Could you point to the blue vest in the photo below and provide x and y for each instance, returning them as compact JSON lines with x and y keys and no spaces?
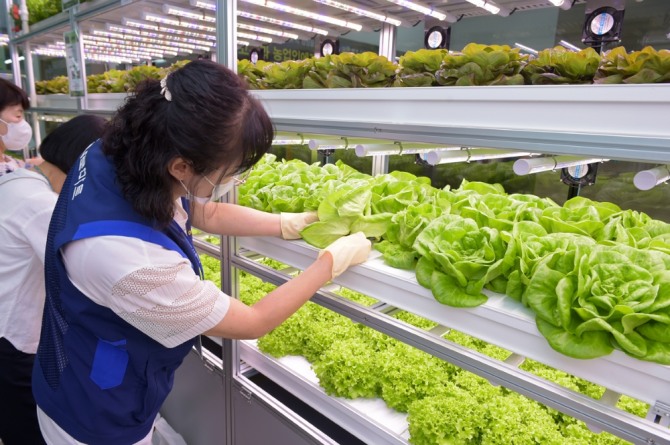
{"x":99,"y":378}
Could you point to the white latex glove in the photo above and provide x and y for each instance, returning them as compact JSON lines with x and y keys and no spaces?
{"x":348,"y":251}
{"x":293,"y":223}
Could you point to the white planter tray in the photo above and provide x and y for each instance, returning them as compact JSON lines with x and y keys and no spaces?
{"x":96,"y":101}
{"x":501,"y":321}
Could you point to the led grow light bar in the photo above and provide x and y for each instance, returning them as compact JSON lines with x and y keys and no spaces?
{"x":132,"y":38}
{"x":303,"y":13}
{"x":187,"y":13}
{"x":97,"y":55}
{"x":283,"y":23}
{"x":109,"y":46}
{"x":397,"y":148}
{"x":551,"y":163}
{"x":424,"y":10}
{"x":132,"y":23}
{"x":151,"y":17}
{"x":256,"y":37}
{"x":360,"y":11}
{"x":490,"y":7}
{"x":150,"y":50}
{"x":466,"y":154}
{"x":263,"y":30}
{"x":9,"y":61}
{"x":121,"y":29}
{"x":149,"y":43}
{"x":211,"y":6}
{"x":527,"y":49}
{"x":204,"y":4}
{"x":568,"y":45}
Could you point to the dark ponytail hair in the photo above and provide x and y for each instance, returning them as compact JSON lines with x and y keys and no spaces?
{"x":63,"y":145}
{"x":211,"y":121}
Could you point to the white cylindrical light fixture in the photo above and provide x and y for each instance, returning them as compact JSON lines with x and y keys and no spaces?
{"x":528,"y":49}
{"x":467,"y":155}
{"x":568,"y":45}
{"x":335,"y":143}
{"x":396,"y":149}
{"x":648,"y":179}
{"x":537,"y":165}
{"x":563,"y":4}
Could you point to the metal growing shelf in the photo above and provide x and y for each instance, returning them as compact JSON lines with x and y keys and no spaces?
{"x":626,"y":122}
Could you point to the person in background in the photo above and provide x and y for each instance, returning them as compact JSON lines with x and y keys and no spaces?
{"x":27,"y":199}
{"x":15,"y":132}
{"x":126,"y":297}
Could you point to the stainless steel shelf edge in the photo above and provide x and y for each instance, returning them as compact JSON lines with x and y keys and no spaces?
{"x":62,"y":19}
{"x":501,"y":321}
{"x":292,"y":420}
{"x":626,"y":148}
{"x":351,"y":420}
{"x":616,"y":121}
{"x":46,"y":26}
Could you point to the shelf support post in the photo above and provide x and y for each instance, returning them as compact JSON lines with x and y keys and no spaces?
{"x":226,"y":24}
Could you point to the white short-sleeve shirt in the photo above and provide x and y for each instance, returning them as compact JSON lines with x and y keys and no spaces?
{"x":152,"y":288}
{"x":27,"y":202}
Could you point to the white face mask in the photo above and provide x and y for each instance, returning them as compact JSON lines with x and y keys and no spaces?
{"x":18,"y":135}
{"x":218,"y":191}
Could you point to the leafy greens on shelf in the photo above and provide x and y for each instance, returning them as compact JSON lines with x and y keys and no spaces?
{"x":444,"y":403}
{"x":559,"y":65}
{"x":645,"y":66}
{"x":594,"y":275}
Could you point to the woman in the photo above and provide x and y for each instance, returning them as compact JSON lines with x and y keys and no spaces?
{"x":27,"y":199}
{"x":125,"y":294}
{"x":15,"y":132}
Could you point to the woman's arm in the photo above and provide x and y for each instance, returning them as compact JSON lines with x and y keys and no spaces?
{"x":234,"y":220}
{"x":245,"y":322}
{"x":252,"y":322}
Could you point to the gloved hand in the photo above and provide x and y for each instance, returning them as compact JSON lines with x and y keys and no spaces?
{"x":293,"y":223}
{"x":348,"y":251}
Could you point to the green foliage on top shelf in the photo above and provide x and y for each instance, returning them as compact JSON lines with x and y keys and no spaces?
{"x":482,"y":65}
{"x":475,"y":65}
{"x":253,"y":73}
{"x":285,"y":75}
{"x":349,"y":70}
{"x":57,"y":85}
{"x":418,"y":68}
{"x":645,"y":66}
{"x":112,"y":81}
{"x":559,"y":65}
{"x":39,"y":10}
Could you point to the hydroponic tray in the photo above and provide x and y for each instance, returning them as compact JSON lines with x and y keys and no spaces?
{"x":501,"y":321}
{"x":626,"y":122}
{"x":368,"y":419}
